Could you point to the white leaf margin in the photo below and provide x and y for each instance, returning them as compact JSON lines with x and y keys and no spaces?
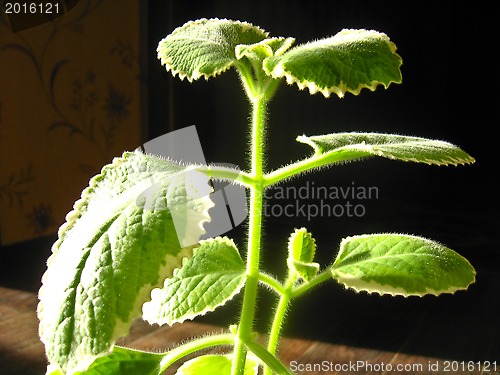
{"x":149,"y":312}
{"x":369,"y":286}
{"x":167,"y":61}
{"x":345,"y":36}
{"x":378,"y":149}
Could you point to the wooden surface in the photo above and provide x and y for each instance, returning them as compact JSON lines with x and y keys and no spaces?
{"x":428,"y":340}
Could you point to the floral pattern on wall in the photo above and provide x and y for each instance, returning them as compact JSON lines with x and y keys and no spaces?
{"x":69,"y":103}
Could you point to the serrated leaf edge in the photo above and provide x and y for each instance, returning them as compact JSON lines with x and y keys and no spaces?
{"x":71,"y":218}
{"x":208,"y":309}
{"x":298,"y":265}
{"x":165,"y":271}
{"x":372,"y":151}
{"x":242,"y":49}
{"x":291,"y":239}
{"x":167,"y":61}
{"x":359,"y":285}
{"x":279,"y":71}
{"x":371,"y":287}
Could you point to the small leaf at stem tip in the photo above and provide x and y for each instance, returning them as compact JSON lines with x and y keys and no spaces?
{"x":213,"y":364}
{"x":301,"y":251}
{"x":399,"y":264}
{"x":347,"y":62}
{"x":213,"y":276}
{"x":206,"y":47}
{"x":266,"y":48}
{"x":339,"y":147}
{"x":305,"y":270}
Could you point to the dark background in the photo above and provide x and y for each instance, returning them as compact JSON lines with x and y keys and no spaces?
{"x":444,"y":95}
{"x":447,"y":93}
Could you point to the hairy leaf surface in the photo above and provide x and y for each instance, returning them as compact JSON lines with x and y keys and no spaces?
{"x":265,"y":48}
{"x":301,"y":251}
{"x":121,"y":361}
{"x":124,"y":361}
{"x":347,"y":62}
{"x":209,"y":279}
{"x":118,"y":243}
{"x":206,"y":47}
{"x":337,"y":147}
{"x":399,"y":264}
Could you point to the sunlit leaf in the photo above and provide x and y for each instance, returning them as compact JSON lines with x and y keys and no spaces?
{"x":337,"y":147}
{"x":400,"y":264}
{"x":266,"y":48}
{"x":124,"y":361}
{"x":347,"y":62}
{"x":119,"y":242}
{"x":213,"y":276}
{"x":206,"y":47}
{"x":301,"y":250}
{"x":215,"y":365}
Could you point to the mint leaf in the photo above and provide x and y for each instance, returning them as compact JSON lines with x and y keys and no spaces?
{"x":124,"y":361}
{"x":263,"y":49}
{"x":347,"y":62}
{"x":206,"y":47}
{"x":301,"y":251}
{"x":116,"y":246}
{"x":214,"y":275}
{"x":212,"y":364}
{"x":336,"y":147}
{"x":399,"y":264}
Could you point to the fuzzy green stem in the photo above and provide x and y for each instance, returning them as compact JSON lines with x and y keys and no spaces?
{"x":194,"y":346}
{"x":271,"y":283}
{"x":287,"y":293}
{"x":326,"y":275}
{"x":279,"y":317}
{"x":245,"y":327}
{"x":316,"y":161}
{"x":228,"y":174}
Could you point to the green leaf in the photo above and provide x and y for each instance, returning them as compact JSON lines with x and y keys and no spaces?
{"x":53,"y":370}
{"x":305,"y":270}
{"x":301,"y":251}
{"x":399,"y":264}
{"x":266,"y":48}
{"x":124,"y":361}
{"x":347,"y":62}
{"x":301,"y":246}
{"x":119,"y":242}
{"x":214,"y":275}
{"x":213,"y":364}
{"x":206,"y":47}
{"x":333,"y":148}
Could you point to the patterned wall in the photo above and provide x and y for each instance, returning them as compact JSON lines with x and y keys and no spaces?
{"x":69,"y":103}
